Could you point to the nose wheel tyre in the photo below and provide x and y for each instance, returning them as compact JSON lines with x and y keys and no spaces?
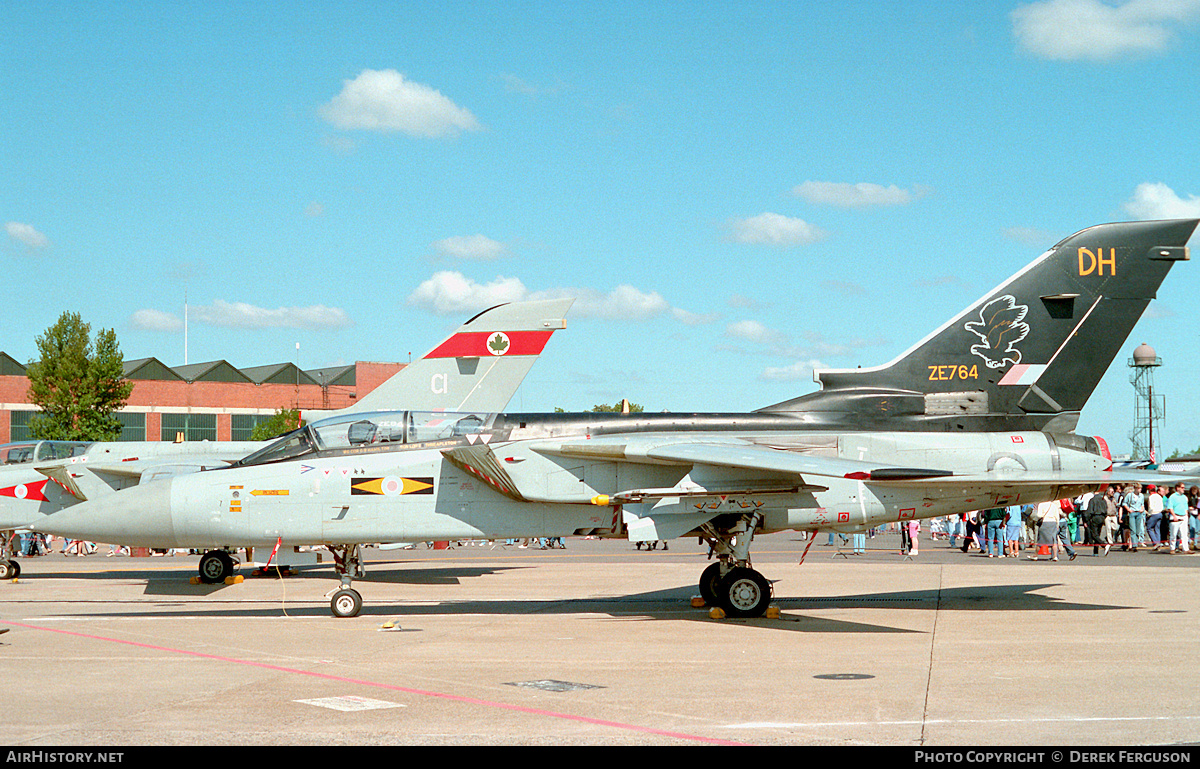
{"x":215,"y":566}
{"x":10,"y":569}
{"x":346,"y":603}
{"x":744,"y":593}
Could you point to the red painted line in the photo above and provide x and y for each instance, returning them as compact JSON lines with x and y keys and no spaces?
{"x":390,"y":687}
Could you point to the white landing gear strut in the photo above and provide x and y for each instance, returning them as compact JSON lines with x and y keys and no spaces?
{"x":731,"y":583}
{"x":347,"y":563}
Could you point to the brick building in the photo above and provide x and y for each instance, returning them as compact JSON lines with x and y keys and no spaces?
{"x":204,"y":401}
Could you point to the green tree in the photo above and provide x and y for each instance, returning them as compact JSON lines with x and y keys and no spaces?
{"x":284,"y":421}
{"x":603,"y":408}
{"x":618,"y":408}
{"x":77,"y":385}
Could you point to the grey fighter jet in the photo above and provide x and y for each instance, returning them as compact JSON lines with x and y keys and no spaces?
{"x":978,"y":414}
{"x":478,"y":367}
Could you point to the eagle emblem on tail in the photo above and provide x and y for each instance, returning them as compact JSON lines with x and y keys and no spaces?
{"x":1000,"y":327}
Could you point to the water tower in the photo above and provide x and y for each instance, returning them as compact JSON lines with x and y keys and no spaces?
{"x":1149,"y":409}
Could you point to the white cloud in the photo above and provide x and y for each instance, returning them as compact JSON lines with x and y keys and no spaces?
{"x":801,"y":369}
{"x":862,"y":195}
{"x":624,"y":302}
{"x":27,"y":236}
{"x":450,"y":293}
{"x":155,"y":320}
{"x":314,"y":210}
{"x":383,"y":100}
{"x":1031,"y":236}
{"x":753,"y":331}
{"x":479,"y":248}
{"x":775,"y":230}
{"x":242,"y":315}
{"x":1158,"y":201}
{"x":1073,"y":30}
{"x":693,"y":318}
{"x":778,"y":344}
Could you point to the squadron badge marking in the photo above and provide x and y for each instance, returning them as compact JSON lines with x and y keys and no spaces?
{"x":1000,"y":328}
{"x":498,"y":343}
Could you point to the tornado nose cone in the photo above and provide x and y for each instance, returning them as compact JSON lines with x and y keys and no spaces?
{"x":138,"y":516}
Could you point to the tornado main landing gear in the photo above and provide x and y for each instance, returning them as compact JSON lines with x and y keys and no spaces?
{"x":744,"y":593}
{"x":9,"y":567}
{"x":347,"y":563}
{"x":731,"y":583}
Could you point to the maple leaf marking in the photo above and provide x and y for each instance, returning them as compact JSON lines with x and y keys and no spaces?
{"x":1000,"y":327}
{"x":498,"y":343}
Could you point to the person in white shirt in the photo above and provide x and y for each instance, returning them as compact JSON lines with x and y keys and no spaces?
{"x":1048,"y":512}
{"x":1154,"y":516}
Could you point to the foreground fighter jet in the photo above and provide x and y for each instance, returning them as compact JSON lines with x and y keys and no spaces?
{"x":478,"y":367}
{"x":978,"y":414}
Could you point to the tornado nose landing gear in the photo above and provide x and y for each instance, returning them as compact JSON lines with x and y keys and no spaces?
{"x":347,"y":562}
{"x":346,"y":603}
{"x":215,"y":566}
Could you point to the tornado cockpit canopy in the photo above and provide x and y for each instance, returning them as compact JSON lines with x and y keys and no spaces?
{"x":364,"y":430}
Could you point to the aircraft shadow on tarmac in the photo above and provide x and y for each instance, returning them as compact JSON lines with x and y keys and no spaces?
{"x":163,"y":584}
{"x":671,"y":604}
{"x":177,"y":583}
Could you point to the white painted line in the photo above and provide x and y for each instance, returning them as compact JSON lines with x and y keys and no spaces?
{"x":351,"y":704}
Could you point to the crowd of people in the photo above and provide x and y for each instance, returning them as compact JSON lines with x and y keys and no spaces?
{"x":1131,"y":517}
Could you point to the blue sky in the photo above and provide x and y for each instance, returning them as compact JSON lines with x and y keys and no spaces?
{"x":736,"y":192}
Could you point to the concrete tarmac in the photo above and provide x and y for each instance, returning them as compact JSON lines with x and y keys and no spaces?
{"x":599,"y":644}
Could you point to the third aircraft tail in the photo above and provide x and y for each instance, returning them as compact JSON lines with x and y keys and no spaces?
{"x":1029,"y":353}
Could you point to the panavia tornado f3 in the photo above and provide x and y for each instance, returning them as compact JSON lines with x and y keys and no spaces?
{"x":479,"y":367}
{"x":978,"y":414}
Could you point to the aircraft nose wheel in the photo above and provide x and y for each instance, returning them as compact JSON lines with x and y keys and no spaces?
{"x":215,"y":566}
{"x":744,"y":593}
{"x":346,"y":603}
{"x":10,"y":569}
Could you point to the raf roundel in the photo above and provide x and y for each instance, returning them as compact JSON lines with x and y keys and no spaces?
{"x":27,"y":491}
{"x":498,"y":343}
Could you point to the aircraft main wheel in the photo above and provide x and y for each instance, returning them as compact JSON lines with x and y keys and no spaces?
{"x":346,"y":603}
{"x":744,"y":593}
{"x":10,"y":569}
{"x":710,"y":584}
{"x":215,"y":566}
